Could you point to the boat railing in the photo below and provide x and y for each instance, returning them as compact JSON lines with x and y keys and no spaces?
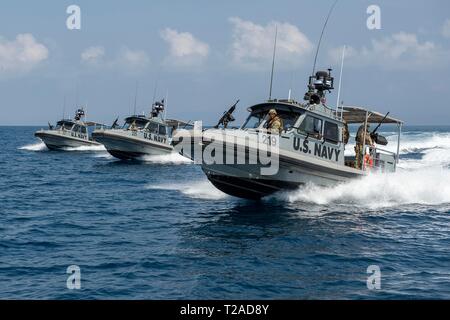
{"x":380,"y":159}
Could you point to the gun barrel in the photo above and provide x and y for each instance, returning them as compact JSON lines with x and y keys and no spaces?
{"x":381,"y":122}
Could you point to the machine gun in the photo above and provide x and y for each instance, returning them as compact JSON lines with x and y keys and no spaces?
{"x":377,"y":138}
{"x":115,"y":123}
{"x":157,"y":108}
{"x":50,"y":127}
{"x":227,"y":117}
{"x":79,"y":114}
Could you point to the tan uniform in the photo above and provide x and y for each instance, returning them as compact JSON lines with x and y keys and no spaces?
{"x":345,"y":133}
{"x":275,"y":125}
{"x":359,"y":145}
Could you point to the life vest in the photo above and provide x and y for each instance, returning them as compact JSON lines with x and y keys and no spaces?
{"x":368,"y":161}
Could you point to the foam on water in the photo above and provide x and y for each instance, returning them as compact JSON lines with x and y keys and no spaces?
{"x":424,"y":178}
{"x":427,"y":186}
{"x":171,"y":158}
{"x":87,"y":148}
{"x":39,"y":146}
{"x":198,"y":190}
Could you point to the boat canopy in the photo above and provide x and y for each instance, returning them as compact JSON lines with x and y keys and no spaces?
{"x":92,"y":124}
{"x":177,"y":123}
{"x":284,"y":105}
{"x":138,"y":119}
{"x":359,"y":114}
{"x":68,"y":123}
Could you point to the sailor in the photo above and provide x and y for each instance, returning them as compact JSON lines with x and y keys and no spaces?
{"x":133,"y":126}
{"x":345,"y":133}
{"x":275,"y":124}
{"x":361,"y":135}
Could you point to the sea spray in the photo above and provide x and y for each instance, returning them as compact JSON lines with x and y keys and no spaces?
{"x":427,"y":186}
{"x":39,"y":146}
{"x":198,"y":190}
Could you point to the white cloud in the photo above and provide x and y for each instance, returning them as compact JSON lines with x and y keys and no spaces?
{"x":128,"y":60}
{"x":252,"y":45}
{"x":133,"y":59}
{"x":398,"y":51}
{"x":93,"y":54}
{"x":446,"y":29}
{"x":184,"y":48}
{"x":22,"y":54}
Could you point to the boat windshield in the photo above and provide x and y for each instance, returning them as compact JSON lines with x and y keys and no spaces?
{"x":254,"y":120}
{"x":134,"y":124}
{"x":258,"y":119}
{"x":64,"y":126}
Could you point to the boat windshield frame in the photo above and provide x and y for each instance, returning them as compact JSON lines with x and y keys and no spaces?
{"x":140,"y":123}
{"x":283,"y":110}
{"x":66,"y":125}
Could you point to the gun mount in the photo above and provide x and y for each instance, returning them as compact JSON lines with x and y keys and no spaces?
{"x":227,"y":117}
{"x":319,"y":83}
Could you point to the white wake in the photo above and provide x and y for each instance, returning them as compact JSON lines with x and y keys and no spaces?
{"x":39,"y":146}
{"x":170,"y":158}
{"x":198,"y":190}
{"x":96,"y":148}
{"x":422,"y":177}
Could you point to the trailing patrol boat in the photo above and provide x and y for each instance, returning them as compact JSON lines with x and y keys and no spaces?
{"x":140,"y":135}
{"x":68,"y":133}
{"x":310,"y":147}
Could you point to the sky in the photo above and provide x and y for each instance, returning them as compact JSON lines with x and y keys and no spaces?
{"x":203,"y":55}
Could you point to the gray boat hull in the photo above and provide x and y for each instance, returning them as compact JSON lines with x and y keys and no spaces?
{"x":56,"y":141}
{"x":126,"y":147}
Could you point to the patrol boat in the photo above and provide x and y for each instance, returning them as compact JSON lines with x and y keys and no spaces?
{"x":140,"y":135}
{"x":310,"y":148}
{"x":68,"y":133}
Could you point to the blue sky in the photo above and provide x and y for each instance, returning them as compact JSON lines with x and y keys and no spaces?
{"x":206,"y":54}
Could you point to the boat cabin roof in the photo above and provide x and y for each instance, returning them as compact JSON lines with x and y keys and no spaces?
{"x":286,"y":105}
{"x":91,"y":124}
{"x":177,"y":123}
{"x":358,"y":115}
{"x":144,"y":120}
{"x":65,"y":122}
{"x":137,"y":119}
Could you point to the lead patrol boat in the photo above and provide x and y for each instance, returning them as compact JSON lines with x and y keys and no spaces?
{"x":310,"y":147}
{"x":68,"y":133}
{"x":140,"y":135}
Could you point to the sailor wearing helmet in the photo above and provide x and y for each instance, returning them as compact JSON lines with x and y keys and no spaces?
{"x":274,"y":124}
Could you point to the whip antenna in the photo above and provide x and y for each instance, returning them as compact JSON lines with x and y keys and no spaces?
{"x":273,"y":62}
{"x":135,"y":97}
{"x":321,"y":35}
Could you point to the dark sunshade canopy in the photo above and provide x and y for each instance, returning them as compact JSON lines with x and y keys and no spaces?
{"x":139,"y":119}
{"x":358,"y":115}
{"x":91,"y":124}
{"x":176,"y":123}
{"x":65,"y":122}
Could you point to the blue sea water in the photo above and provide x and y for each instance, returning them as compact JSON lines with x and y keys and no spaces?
{"x":158,"y":230}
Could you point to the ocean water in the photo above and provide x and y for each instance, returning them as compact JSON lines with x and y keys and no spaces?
{"x":159,"y":230}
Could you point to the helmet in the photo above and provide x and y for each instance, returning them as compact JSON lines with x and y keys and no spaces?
{"x":272,"y":111}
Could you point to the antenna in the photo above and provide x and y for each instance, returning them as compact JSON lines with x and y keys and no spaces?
{"x":156,"y":87}
{"x":321,"y":35}
{"x":64,"y":108}
{"x":340,"y":80}
{"x":76,"y":95}
{"x":292,"y":85}
{"x":165,"y":104}
{"x":135,"y":97}
{"x":273,"y":62}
